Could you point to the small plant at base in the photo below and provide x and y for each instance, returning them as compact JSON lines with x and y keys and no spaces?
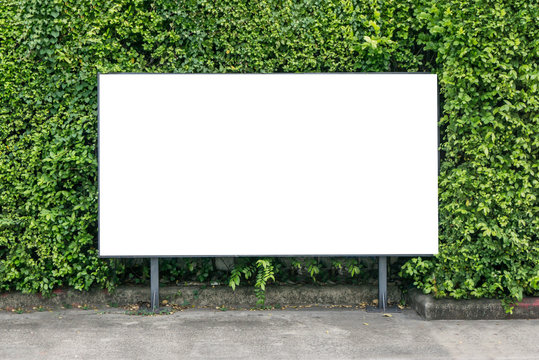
{"x":264,"y":273}
{"x":312,"y":267}
{"x":264,"y":270}
{"x":352,"y":266}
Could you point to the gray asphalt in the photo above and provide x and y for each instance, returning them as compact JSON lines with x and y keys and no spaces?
{"x":271,"y":334}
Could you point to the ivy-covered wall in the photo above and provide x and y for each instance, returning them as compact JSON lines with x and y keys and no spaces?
{"x":485,"y":53}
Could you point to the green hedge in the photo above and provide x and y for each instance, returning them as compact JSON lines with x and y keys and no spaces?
{"x":484,"y":52}
{"x":487,"y":56}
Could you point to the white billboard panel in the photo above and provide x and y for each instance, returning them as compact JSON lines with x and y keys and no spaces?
{"x":259,"y":164}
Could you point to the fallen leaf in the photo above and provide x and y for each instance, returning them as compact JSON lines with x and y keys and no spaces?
{"x":363,"y":305}
{"x":365,"y":324}
{"x":388,"y":315}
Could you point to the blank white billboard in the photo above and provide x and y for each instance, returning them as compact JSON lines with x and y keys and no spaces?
{"x":268,"y":164}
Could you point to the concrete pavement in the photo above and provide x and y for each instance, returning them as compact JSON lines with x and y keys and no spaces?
{"x":309,"y":333}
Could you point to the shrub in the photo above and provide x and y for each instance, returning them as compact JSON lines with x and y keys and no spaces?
{"x":484,"y":52}
{"x":487,"y":55}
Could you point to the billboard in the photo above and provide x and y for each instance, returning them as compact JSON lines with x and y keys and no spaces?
{"x":268,"y":164}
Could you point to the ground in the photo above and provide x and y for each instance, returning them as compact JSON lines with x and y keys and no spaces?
{"x":305,"y":333}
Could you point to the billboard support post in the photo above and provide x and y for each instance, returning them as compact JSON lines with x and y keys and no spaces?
{"x":382,"y":283}
{"x":154,"y":283}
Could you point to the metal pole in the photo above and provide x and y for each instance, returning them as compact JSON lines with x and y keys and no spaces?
{"x":154,"y":283}
{"x":382,"y":282}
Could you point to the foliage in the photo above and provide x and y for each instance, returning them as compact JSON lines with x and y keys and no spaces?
{"x":261,"y":271}
{"x":51,"y":52}
{"x":484,"y":52}
{"x":487,"y":55}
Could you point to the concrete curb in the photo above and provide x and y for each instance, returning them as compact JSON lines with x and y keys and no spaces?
{"x":204,"y":296}
{"x":282,"y":295}
{"x":475,"y":309}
